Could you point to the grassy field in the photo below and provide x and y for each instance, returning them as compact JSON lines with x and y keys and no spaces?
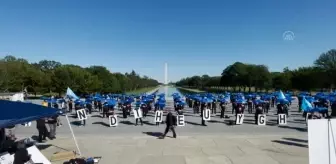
{"x":142,"y":90}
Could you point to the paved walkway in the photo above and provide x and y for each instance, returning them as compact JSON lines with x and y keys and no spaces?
{"x":217,"y":143}
{"x":216,"y":149}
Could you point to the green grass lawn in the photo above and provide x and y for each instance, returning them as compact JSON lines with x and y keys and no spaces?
{"x":142,"y":90}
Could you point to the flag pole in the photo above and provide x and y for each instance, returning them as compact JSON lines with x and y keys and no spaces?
{"x":73,"y":135}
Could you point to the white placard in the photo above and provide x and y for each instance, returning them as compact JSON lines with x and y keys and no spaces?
{"x":81,"y":114}
{"x":36,"y":157}
{"x":158,"y":116}
{"x":113,"y":120}
{"x":261,"y":119}
{"x":239,"y":119}
{"x":6,"y":158}
{"x":206,"y":114}
{"x":282,"y":119}
{"x":180,"y":120}
{"x":137,"y":113}
{"x":322,"y":140}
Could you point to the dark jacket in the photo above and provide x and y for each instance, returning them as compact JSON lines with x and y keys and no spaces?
{"x":21,"y":156}
{"x":170,"y":119}
{"x":52,"y":120}
{"x":40,"y":123}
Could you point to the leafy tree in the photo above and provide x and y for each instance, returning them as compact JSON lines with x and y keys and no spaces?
{"x":51,"y":76}
{"x":327,"y":62}
{"x":244,"y":75}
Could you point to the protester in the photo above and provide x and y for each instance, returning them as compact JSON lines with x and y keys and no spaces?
{"x":144,"y":108}
{"x":10,"y":132}
{"x":203,"y":105}
{"x":249,"y":105}
{"x":100,"y":106}
{"x":258,"y":110}
{"x":89,"y":107}
{"x":70,"y":104}
{"x":266,"y":106}
{"x":105,"y":110}
{"x":42,"y":129}
{"x":136,"y":120}
{"x":52,"y":125}
{"x":214,"y":107}
{"x":170,"y":125}
{"x":223,"y":107}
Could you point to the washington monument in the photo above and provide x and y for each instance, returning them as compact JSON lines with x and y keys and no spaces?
{"x":166,"y":80}
{"x":166,"y":74}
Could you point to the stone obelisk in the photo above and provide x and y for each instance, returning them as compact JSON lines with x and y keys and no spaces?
{"x":166,"y":79}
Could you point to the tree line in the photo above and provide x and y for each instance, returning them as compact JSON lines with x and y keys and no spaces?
{"x":321,"y":76}
{"x":49,"y":76}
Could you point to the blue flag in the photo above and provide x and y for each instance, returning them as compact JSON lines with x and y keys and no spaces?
{"x":71,"y":94}
{"x":281,"y":95}
{"x":306,"y":105}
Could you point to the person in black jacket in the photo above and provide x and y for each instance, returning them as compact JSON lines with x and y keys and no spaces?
{"x":170,"y":122}
{"x":42,"y":129}
{"x":70,"y":104}
{"x":203,"y":106}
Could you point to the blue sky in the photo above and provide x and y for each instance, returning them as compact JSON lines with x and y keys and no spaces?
{"x":192,"y":36}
